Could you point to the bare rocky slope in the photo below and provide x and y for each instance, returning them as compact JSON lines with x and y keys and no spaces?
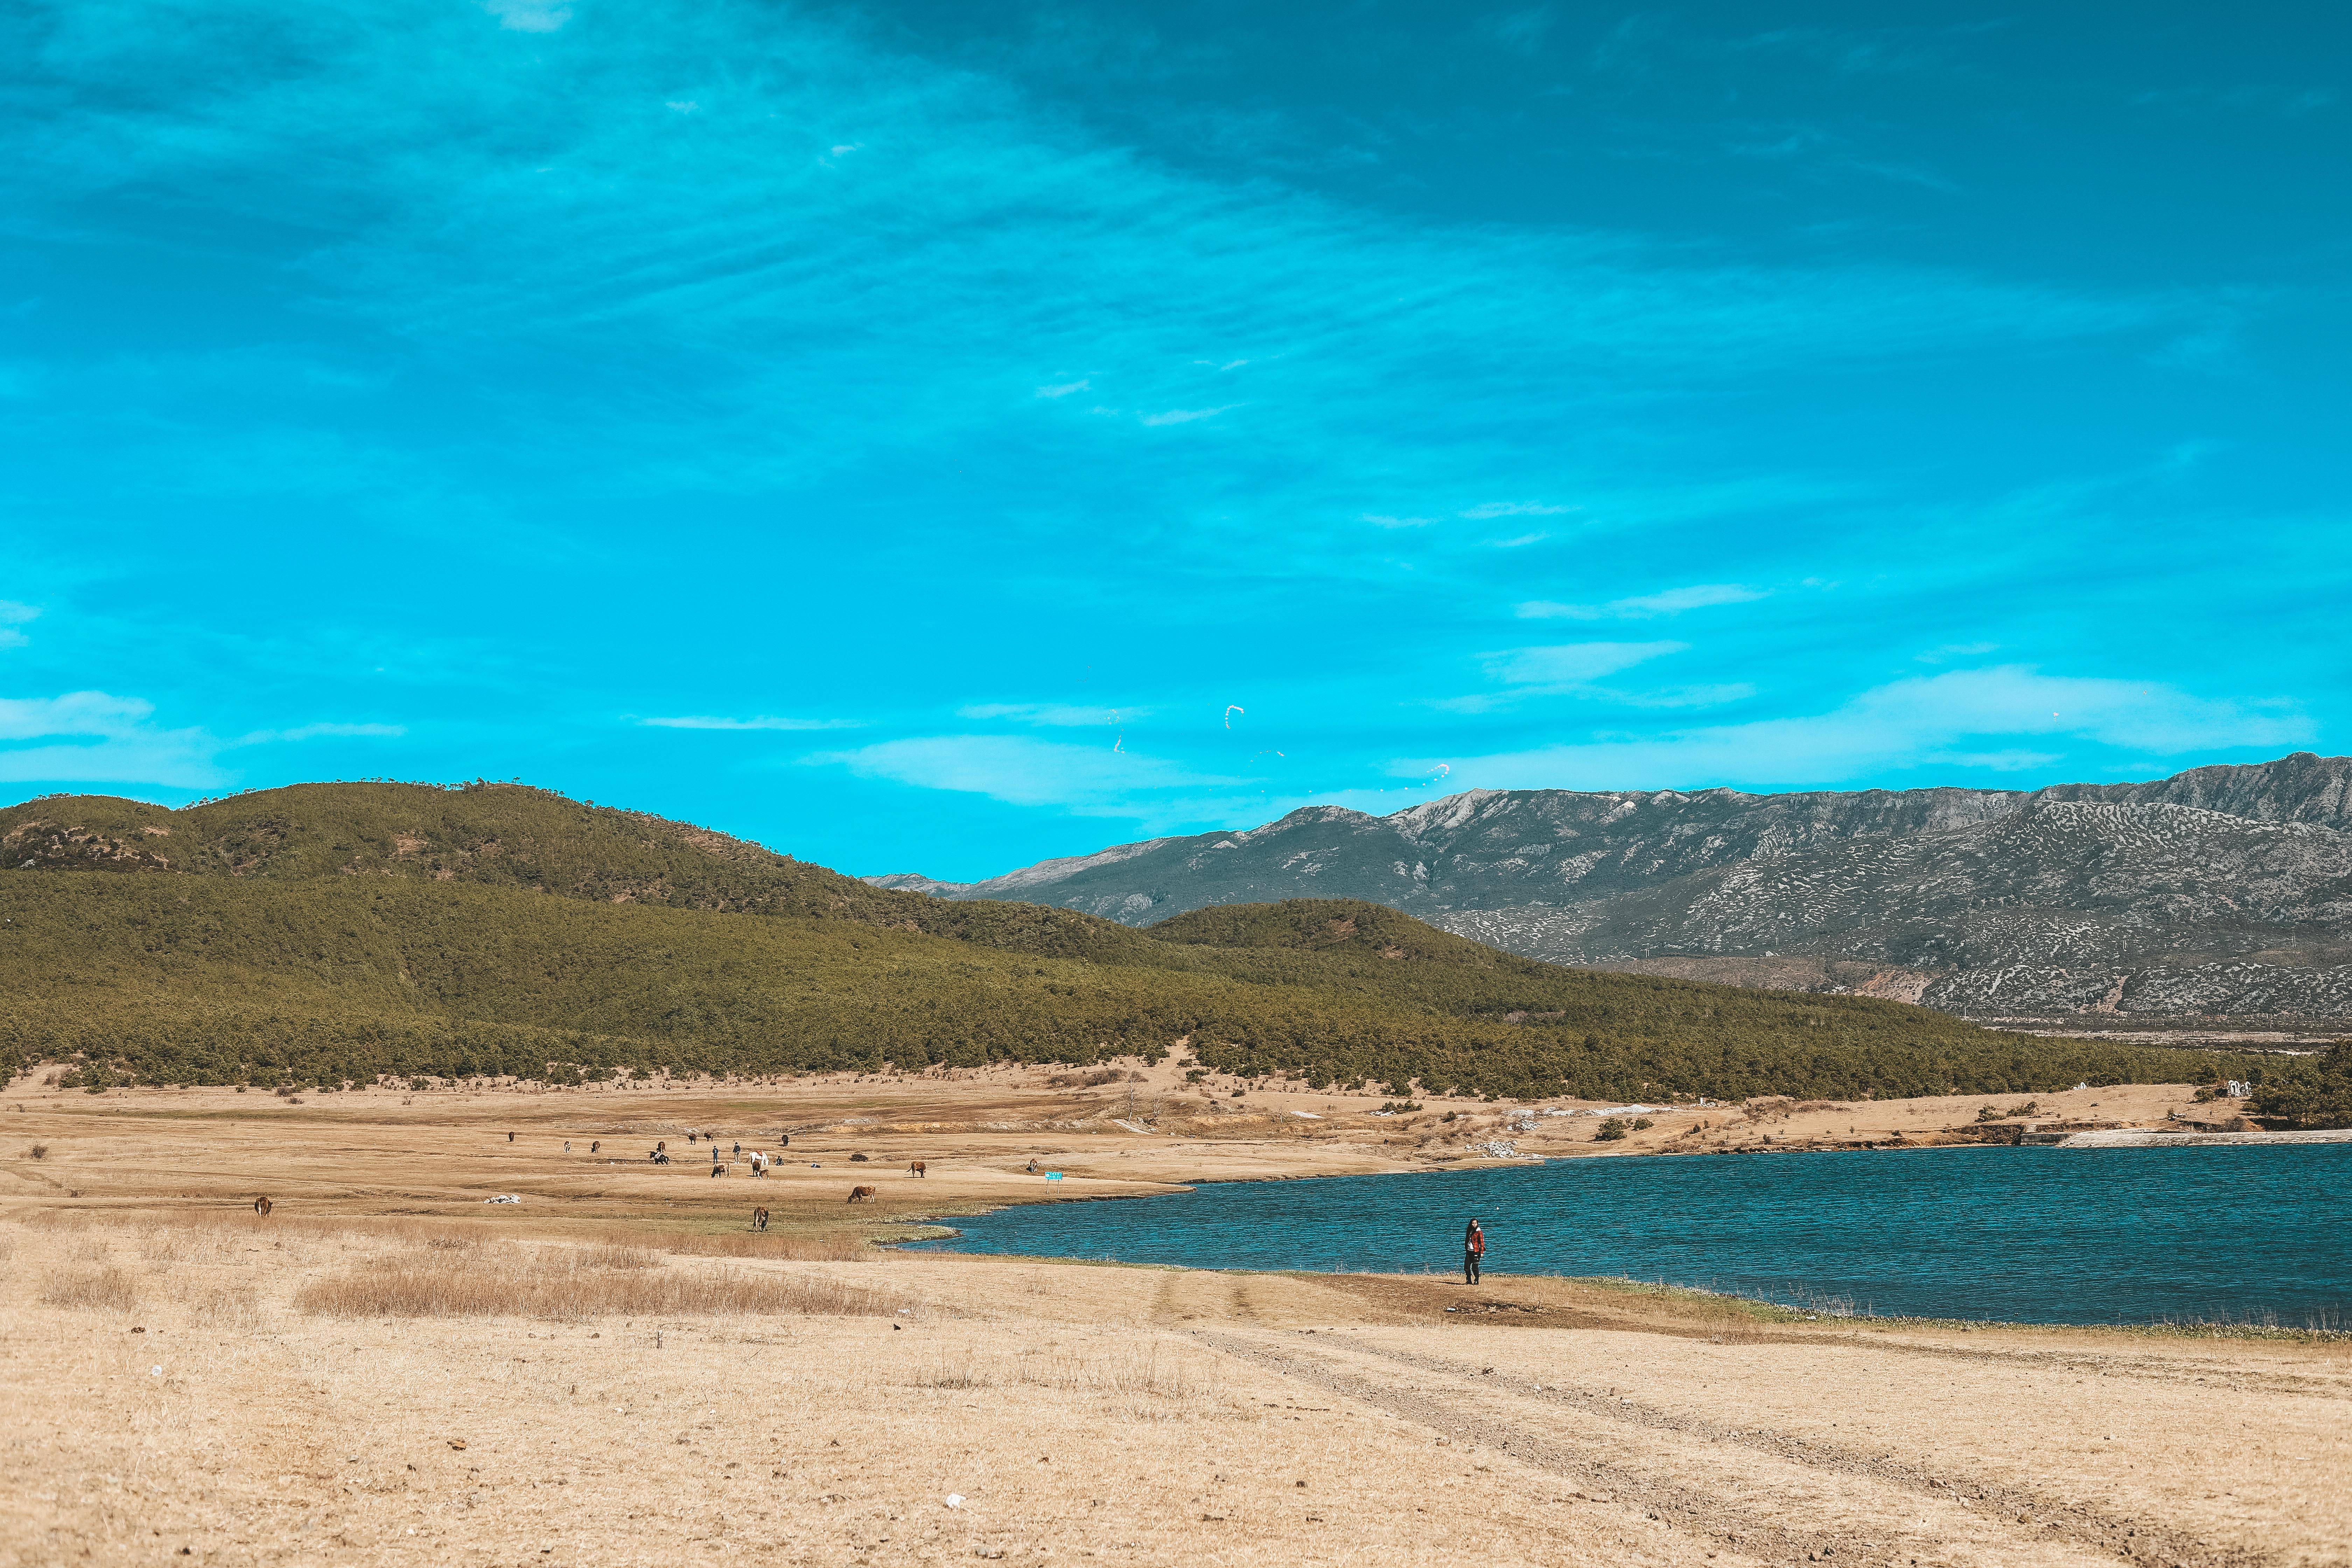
{"x":2223,"y":890}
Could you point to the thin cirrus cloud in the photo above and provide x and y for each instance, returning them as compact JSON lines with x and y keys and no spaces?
{"x":530,"y":15}
{"x":1017,"y":770}
{"x":1064,"y":389}
{"x":2005,"y":718}
{"x":321,"y":732}
{"x":1573,"y":664}
{"x":763,"y":722}
{"x":1672,"y":602}
{"x":1055,"y":715}
{"x":1186,"y":416}
{"x":1570,"y":669}
{"x":95,"y":737}
{"x":1514,"y":509}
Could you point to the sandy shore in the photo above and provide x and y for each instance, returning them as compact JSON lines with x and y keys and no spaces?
{"x":182,"y":1373}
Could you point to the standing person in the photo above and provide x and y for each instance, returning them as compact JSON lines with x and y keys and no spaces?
{"x":1474,"y":1248}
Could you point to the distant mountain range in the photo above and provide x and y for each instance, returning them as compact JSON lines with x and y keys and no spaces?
{"x":338,"y":934}
{"x":2223,"y":890}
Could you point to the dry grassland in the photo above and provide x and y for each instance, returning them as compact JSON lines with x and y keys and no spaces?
{"x":615,"y":1371}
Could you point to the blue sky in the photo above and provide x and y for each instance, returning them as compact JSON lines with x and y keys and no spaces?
{"x":930,"y":437}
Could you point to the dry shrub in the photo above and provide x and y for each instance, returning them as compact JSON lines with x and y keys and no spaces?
{"x":833,"y":1248}
{"x":569,"y":1284}
{"x":90,"y":1249}
{"x":165,"y":1247}
{"x":944,"y":1376}
{"x":235,"y":1309}
{"x":95,"y":1290}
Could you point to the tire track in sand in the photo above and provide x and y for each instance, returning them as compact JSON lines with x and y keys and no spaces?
{"x":1699,"y":1510}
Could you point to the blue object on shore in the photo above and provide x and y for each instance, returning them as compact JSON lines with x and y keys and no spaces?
{"x":1053,"y":1175}
{"x":2243,"y":1233}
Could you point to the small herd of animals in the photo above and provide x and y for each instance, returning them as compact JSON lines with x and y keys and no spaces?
{"x":760,"y":1163}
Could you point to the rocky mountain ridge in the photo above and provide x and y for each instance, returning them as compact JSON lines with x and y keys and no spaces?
{"x":2223,"y":890}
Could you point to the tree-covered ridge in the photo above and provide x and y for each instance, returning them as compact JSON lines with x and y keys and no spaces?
{"x":213,"y":979}
{"x":503,"y":835}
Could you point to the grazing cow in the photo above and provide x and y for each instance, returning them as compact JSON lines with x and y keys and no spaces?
{"x":716,"y":1170}
{"x":759,"y":1219}
{"x":916,"y":1169}
{"x":859,"y":1194}
{"x":262,"y":1206}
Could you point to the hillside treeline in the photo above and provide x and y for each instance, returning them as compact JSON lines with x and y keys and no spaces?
{"x":2309,"y":1094}
{"x":194,"y":978}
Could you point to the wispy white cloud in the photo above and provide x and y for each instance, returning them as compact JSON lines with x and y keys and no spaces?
{"x":321,"y":732}
{"x":1516,"y":509}
{"x":764,"y":721}
{"x":1186,"y":416}
{"x":1573,"y":664}
{"x":1955,"y":650}
{"x":94,"y":737}
{"x":1067,"y":716}
{"x":1672,"y":602}
{"x":1571,"y":669}
{"x":1088,"y":781}
{"x":1064,"y":389}
{"x":1382,"y":520}
{"x":12,"y":616}
{"x":1960,"y":719}
{"x":529,"y":16}
{"x":1524,"y":539}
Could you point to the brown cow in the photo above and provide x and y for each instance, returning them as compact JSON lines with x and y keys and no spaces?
{"x":759,"y":1219}
{"x":916,"y":1169}
{"x":859,"y":1194}
{"x":262,"y":1206}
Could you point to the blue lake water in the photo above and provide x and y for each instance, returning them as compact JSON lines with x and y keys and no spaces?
{"x":2032,"y":1234}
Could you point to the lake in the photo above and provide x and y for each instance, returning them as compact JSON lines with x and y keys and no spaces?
{"x":2031,"y":1234}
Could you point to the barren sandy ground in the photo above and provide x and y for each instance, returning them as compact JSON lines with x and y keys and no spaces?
{"x":187,"y":1381}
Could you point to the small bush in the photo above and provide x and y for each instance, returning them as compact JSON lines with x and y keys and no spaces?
{"x":1986,"y":1113}
{"x":1611,"y":1130}
{"x":40,"y":1151}
{"x":1643,"y":1124}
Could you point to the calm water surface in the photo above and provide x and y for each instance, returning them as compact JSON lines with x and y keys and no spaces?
{"x":2036,"y":1235}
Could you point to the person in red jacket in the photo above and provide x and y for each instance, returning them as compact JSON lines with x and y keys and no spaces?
{"x":1474,"y":1248}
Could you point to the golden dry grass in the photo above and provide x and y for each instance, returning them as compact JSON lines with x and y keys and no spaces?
{"x":566,"y":1284}
{"x":90,"y":1289}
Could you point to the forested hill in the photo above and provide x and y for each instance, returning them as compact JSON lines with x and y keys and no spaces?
{"x":504,"y":835}
{"x":341,"y":932}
